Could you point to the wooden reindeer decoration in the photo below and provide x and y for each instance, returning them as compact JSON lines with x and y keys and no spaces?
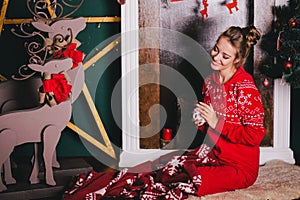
{"x":42,"y":124}
{"x":62,"y":34}
{"x":61,"y":40}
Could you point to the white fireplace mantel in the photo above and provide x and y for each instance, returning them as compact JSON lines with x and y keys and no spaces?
{"x":131,"y":153}
{"x":281,"y":126}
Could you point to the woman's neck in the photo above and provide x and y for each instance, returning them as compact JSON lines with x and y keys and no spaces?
{"x":226,"y":74}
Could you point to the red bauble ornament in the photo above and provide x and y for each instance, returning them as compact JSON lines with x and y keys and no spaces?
{"x":266,"y":82}
{"x":292,"y":22}
{"x":288,"y":64}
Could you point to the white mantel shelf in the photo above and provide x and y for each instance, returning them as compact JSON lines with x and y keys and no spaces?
{"x":131,"y":153}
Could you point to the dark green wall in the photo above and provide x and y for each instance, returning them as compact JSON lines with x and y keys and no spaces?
{"x":13,"y":55}
{"x":295,"y":123}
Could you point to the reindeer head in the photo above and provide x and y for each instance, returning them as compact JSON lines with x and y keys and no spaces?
{"x":55,"y":32}
{"x":62,"y":32}
{"x":54,"y":66}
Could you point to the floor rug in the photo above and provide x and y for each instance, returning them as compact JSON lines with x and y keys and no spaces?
{"x":277,"y":180}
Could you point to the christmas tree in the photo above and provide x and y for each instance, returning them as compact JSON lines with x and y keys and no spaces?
{"x":282,"y":44}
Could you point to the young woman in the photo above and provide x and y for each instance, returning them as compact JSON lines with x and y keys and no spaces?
{"x":232,"y":117}
{"x":233,"y":112}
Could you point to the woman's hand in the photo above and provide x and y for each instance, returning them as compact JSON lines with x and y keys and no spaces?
{"x":121,"y":1}
{"x":208,"y":113}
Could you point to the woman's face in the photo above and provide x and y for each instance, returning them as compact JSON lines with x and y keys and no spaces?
{"x":223,"y":55}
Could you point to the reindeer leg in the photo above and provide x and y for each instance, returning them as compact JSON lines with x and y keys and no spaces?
{"x":7,"y":145}
{"x":2,"y":186}
{"x":9,"y":179}
{"x":229,"y":6}
{"x":34,"y":179}
{"x":55,"y":162}
{"x":50,"y":139}
{"x":236,"y":8}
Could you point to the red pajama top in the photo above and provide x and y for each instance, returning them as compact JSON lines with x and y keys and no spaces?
{"x":240,"y":129}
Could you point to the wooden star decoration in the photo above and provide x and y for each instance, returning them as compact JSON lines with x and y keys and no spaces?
{"x":107,"y":147}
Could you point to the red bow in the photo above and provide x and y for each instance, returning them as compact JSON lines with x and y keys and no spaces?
{"x":59,"y":86}
{"x":70,"y":52}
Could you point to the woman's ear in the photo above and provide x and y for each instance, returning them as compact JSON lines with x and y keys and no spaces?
{"x":237,"y":60}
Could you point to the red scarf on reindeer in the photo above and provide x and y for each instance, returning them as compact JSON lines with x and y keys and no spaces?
{"x":71,"y":52}
{"x":59,"y":86}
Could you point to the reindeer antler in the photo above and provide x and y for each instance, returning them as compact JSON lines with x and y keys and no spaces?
{"x":48,"y":16}
{"x":51,"y":10}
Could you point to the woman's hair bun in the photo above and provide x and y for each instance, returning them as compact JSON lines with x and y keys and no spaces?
{"x":252,"y":35}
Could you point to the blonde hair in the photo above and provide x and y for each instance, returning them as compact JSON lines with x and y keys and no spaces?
{"x":243,"y":39}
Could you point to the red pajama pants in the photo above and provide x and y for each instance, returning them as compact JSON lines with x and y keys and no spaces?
{"x":194,"y":172}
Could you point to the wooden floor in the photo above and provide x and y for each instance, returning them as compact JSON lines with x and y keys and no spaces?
{"x":70,"y":167}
